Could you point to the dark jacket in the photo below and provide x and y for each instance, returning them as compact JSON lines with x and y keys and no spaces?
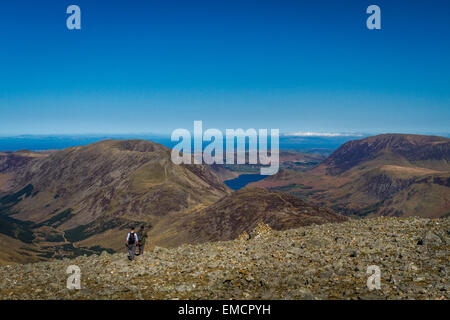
{"x":142,"y":235}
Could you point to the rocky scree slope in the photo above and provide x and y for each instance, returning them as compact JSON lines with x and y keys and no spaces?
{"x":326,"y":261}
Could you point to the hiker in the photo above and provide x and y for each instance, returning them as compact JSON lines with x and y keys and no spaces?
{"x":132,"y":240}
{"x":141,"y":243}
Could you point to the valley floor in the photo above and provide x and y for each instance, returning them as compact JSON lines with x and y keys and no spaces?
{"x":316,"y":262}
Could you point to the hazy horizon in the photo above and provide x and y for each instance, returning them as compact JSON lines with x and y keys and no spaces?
{"x":299,"y":134}
{"x":308,"y":143}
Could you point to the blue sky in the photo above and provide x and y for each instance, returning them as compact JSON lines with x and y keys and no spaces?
{"x":156,"y":65}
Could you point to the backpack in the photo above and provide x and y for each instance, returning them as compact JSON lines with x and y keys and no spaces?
{"x":132,"y":238}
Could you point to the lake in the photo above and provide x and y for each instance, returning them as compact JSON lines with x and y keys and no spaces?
{"x":243,"y":180}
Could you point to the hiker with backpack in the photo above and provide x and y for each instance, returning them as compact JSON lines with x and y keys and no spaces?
{"x":142,"y":235}
{"x":132,"y":240}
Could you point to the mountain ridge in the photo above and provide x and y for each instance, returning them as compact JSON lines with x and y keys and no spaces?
{"x":102,"y":188}
{"x":389,"y":174}
{"x":84,"y":199}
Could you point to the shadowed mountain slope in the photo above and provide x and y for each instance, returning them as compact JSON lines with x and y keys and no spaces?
{"x":241,"y":211}
{"x":389,"y":174}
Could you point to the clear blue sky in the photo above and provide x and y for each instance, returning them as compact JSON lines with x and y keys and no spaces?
{"x":156,"y":65}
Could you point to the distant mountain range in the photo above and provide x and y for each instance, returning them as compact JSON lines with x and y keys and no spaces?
{"x":83,"y":200}
{"x":389,"y":174}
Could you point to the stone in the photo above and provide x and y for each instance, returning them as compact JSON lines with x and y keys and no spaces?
{"x":306,"y":263}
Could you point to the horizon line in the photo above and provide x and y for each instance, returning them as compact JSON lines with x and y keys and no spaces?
{"x":292,"y":134}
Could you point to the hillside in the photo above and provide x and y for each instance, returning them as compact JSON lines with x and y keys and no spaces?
{"x":390,"y":174}
{"x":13,"y":162}
{"x":242,"y":210}
{"x":83,"y":200}
{"x":88,"y":196}
{"x":430,"y":152}
{"x":239,"y":213}
{"x":326,"y":261}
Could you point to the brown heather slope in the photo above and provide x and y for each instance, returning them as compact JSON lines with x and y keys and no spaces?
{"x":241,"y":211}
{"x":389,"y":174}
{"x":122,"y":178}
{"x":13,"y":162}
{"x":430,"y":152}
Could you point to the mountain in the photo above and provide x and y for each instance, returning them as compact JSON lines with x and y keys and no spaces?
{"x":429,"y":152}
{"x":241,"y":211}
{"x":389,"y":174}
{"x":83,"y":200}
{"x":86,"y":197}
{"x":120,"y":178}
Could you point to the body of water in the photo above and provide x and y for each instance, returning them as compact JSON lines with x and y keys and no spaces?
{"x":243,"y":180}
{"x":50,"y":142}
